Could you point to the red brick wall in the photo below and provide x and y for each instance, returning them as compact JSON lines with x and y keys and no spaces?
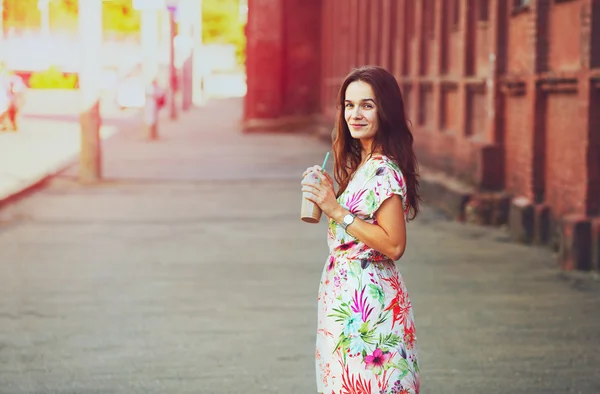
{"x":506,"y":90}
{"x":475,"y":79}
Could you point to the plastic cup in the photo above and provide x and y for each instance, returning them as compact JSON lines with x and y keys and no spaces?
{"x":309,"y":211}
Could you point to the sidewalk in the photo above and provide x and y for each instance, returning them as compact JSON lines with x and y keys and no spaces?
{"x":48,"y":139}
{"x":188,"y":271}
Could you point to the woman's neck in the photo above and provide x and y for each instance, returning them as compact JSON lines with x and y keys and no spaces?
{"x":367,"y":150}
{"x":366,"y":155}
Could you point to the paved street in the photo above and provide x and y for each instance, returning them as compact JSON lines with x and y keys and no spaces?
{"x":189,"y":271}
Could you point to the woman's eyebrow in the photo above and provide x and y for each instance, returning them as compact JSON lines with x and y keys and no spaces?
{"x":363,"y":100}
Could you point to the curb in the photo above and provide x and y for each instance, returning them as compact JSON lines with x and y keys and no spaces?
{"x":28,"y":184}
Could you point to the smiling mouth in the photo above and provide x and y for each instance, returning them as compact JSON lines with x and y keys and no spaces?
{"x":357,"y":125}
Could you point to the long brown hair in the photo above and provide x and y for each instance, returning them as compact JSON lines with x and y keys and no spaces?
{"x":393,"y":138}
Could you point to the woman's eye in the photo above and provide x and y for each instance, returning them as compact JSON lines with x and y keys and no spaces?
{"x":367,"y":106}
{"x":348,"y":105}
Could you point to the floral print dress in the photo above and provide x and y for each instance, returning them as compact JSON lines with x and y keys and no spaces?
{"x":366,"y":341}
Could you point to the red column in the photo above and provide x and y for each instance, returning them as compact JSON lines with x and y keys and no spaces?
{"x":283,"y":64}
{"x":329,"y":41}
{"x":264,"y":61}
{"x":386,"y":30}
{"x":353,"y":35}
{"x":374,"y":32}
{"x":362,"y":45}
{"x":399,"y":39}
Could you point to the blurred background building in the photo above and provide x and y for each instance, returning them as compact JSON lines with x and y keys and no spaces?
{"x":39,"y":36}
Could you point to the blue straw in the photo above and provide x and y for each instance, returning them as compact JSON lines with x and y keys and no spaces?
{"x":325,"y":162}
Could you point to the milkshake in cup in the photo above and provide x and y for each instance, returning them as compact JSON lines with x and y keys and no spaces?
{"x":309,"y":211}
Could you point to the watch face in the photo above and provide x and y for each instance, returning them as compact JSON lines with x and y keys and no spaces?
{"x":348,"y":219}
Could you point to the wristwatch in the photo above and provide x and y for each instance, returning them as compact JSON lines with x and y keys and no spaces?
{"x":348,"y":220}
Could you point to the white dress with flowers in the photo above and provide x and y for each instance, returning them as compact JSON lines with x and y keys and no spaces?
{"x":366,"y":339}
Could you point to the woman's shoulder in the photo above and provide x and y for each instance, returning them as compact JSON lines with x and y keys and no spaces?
{"x":383,"y":163}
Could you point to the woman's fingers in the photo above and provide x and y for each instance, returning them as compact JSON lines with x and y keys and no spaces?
{"x":322,"y":176}
{"x":311,"y":169}
{"x":307,"y":187}
{"x":328,"y":178}
{"x":308,"y":182}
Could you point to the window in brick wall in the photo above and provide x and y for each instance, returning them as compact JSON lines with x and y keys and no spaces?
{"x":449,"y":108}
{"x":425,"y":104}
{"x":476,"y":112}
{"x":407,"y":97}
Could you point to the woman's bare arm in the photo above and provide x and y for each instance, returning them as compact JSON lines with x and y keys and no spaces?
{"x":388,"y":236}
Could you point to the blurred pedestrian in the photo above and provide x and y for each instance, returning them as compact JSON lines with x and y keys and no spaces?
{"x":12,"y":89}
{"x":366,"y":338}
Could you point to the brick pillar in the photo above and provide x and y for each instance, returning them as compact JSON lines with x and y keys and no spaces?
{"x":418,"y":47}
{"x":436,"y":61}
{"x":414,"y":62}
{"x":353,"y":34}
{"x":264,"y":62}
{"x":301,"y":73}
{"x":334,"y":26}
{"x":346,"y":47}
{"x":589,"y":93}
{"x":374,"y":32}
{"x":540,"y":37}
{"x":283,"y":64}
{"x":327,"y":98}
{"x":463,"y":67}
{"x":363,"y":27}
{"x":399,"y":40}
{"x":498,"y":21}
{"x":386,"y":27}
{"x":593,"y":162}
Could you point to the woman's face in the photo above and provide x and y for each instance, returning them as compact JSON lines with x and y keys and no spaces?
{"x":360,"y":111}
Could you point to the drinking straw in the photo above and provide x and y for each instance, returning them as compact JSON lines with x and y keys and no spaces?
{"x":325,"y":162}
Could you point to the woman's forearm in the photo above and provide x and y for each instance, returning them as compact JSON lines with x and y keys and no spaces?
{"x":371,"y":235}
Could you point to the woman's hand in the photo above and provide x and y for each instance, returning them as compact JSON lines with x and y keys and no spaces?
{"x":321,"y":193}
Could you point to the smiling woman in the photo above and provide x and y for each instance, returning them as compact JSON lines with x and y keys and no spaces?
{"x":366,"y":341}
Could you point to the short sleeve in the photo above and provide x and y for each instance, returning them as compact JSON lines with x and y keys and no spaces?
{"x":385,"y":182}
